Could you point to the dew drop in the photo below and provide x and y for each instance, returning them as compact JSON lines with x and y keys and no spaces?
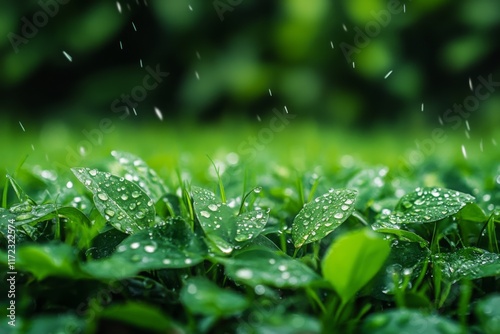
{"x":135,"y":245}
{"x":124,"y":197}
{"x":136,"y":194}
{"x":205,"y":214}
{"x":93,"y":172}
{"x":109,"y":212}
{"x":150,"y":248}
{"x":102,"y":196}
{"x":212,"y":207}
{"x":244,"y":273}
{"x":139,"y":215}
{"x":339,"y":215}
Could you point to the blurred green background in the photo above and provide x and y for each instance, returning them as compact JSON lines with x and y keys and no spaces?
{"x":231,"y":62}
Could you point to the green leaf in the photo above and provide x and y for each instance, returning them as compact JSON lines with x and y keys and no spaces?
{"x":408,"y":321}
{"x":426,"y":205}
{"x":140,"y":173}
{"x":488,"y":312}
{"x":48,"y":260}
{"x":369,"y":183}
{"x":201,"y":296}
{"x":323,"y":215}
{"x":353,"y":260}
{"x":257,"y":265}
{"x":172,"y":245}
{"x":139,"y":315}
{"x":121,"y":202}
{"x":57,"y":323}
{"x":383,"y":226}
{"x":221,"y":225}
{"x":467,"y":263}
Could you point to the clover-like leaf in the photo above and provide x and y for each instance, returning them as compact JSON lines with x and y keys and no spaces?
{"x":219,"y":222}
{"x":354,"y":259}
{"x":258,"y":265}
{"x":322,"y":216}
{"x":140,"y":173}
{"x":426,"y":205}
{"x":202,"y":296}
{"x":123,"y":203}
{"x":467,"y":263}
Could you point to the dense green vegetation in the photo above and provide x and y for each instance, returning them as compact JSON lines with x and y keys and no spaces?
{"x":253,"y":246}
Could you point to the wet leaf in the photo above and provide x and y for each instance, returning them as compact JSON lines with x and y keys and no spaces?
{"x":323,"y":215}
{"x":488,"y":312}
{"x":219,"y":222}
{"x":139,"y":315}
{"x":467,"y":263}
{"x":408,"y":321}
{"x":369,"y":183}
{"x":354,"y":259}
{"x":202,"y":296}
{"x":140,"y":173}
{"x":257,"y":265}
{"x":121,"y":202}
{"x":426,"y":205}
{"x":45,"y":260}
{"x":172,"y":245}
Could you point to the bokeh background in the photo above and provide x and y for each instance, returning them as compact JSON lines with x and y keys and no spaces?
{"x":226,"y":57}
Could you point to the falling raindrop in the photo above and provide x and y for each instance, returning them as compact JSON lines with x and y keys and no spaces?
{"x":286,"y":110}
{"x":133,"y":26}
{"x":197,"y":75}
{"x":270,"y":93}
{"x":119,"y":7}
{"x":22,"y":127}
{"x":135,"y":112}
{"x":190,"y":8}
{"x":259,"y":119}
{"x":467,"y":134}
{"x":344,"y":27}
{"x":67,"y":56}
{"x":470,"y":85}
{"x":493,"y":141}
{"x":32,"y":147}
{"x":422,"y":107}
{"x":467,"y":125}
{"x":464,"y":152}
{"x":198,"y":55}
{"x":387,"y":75}
{"x":159,"y":114}
{"x":353,"y":65}
{"x":440,"y":120}
{"x":404,"y":8}
{"x":121,"y":45}
{"x":331,"y":44}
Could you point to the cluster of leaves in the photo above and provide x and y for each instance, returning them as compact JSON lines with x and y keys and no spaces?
{"x":124,"y":250}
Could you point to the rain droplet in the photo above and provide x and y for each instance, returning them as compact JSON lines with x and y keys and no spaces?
{"x":150,"y":248}
{"x":244,"y":273}
{"x":109,"y":212}
{"x":139,"y":215}
{"x":124,"y":197}
{"x":188,"y":261}
{"x":339,"y":215}
{"x":134,"y":245}
{"x":136,"y":194}
{"x":102,"y":196}
{"x":212,"y":207}
{"x":387,"y":75}
{"x":159,"y":114}
{"x":93,"y":172}
{"x":257,"y":190}
{"x":205,"y":214}
{"x":464,"y":152}
{"x":67,"y":56}
{"x":166,"y":261}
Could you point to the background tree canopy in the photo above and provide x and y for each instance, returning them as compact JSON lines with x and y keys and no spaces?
{"x":224,"y":56}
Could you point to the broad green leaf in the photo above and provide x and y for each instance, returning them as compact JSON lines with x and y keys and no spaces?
{"x":273,"y":322}
{"x":354,"y":259}
{"x":323,"y":215}
{"x":473,"y":213}
{"x":426,"y":205}
{"x":25,"y":213}
{"x":121,"y":202}
{"x":409,"y":321}
{"x":369,"y":183}
{"x":488,"y":313}
{"x":202,"y":296}
{"x":48,"y":260}
{"x":140,"y":173}
{"x":256,"y":265}
{"x":173,"y":245}
{"x":382,"y":225}
{"x":139,"y":315}
{"x":219,"y":222}
{"x":467,"y":263}
{"x":404,"y":262}
{"x":55,"y":323}
{"x":112,"y":268}
{"x":105,"y":243}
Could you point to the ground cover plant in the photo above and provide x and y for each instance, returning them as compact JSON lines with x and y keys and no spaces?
{"x":114,"y":247}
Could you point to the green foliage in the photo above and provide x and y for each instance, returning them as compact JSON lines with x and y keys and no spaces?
{"x":257,"y":262}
